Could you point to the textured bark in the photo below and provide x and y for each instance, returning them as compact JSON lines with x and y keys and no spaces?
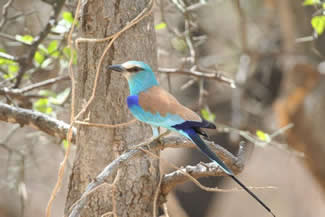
{"x":98,"y":147}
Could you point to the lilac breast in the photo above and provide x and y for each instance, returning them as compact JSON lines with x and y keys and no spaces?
{"x":132,"y":100}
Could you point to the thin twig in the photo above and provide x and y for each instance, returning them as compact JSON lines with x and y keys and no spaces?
{"x":5,"y":13}
{"x":165,"y":210}
{"x":242,"y":25}
{"x":106,"y":125}
{"x":155,"y":199}
{"x":44,"y":83}
{"x":200,"y":74}
{"x":12,"y":38}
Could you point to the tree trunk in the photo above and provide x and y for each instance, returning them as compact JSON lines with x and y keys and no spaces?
{"x":97,"y":147}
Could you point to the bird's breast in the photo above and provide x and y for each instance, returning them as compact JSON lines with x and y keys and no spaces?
{"x":132,"y":100}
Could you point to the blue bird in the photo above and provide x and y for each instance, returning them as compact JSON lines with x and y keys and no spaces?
{"x":153,"y":105}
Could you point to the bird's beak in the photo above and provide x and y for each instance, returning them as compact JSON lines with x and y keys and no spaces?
{"x":117,"y":68}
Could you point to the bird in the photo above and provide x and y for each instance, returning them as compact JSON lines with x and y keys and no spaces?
{"x":151,"y":104}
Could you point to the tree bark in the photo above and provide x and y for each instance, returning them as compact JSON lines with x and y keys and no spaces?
{"x":97,"y":147}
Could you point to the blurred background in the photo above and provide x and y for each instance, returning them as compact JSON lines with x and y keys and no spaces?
{"x":272,"y":50}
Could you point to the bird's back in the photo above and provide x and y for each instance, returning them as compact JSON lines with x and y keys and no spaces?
{"x":158,"y":100}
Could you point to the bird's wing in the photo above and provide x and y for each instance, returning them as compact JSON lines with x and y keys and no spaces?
{"x":157,"y":100}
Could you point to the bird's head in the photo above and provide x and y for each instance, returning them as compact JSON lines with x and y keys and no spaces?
{"x":139,"y":75}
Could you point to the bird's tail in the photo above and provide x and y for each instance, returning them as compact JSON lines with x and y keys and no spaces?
{"x":206,"y":150}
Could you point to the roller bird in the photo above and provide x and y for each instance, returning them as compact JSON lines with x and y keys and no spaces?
{"x":153,"y":105}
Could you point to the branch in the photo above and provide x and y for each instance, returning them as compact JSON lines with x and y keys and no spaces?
{"x":7,"y":56}
{"x":200,"y":74}
{"x":12,"y":38}
{"x":17,"y":94}
{"x":170,"y":180}
{"x":236,"y":164}
{"x":5,"y":13}
{"x":26,"y":61}
{"x":36,"y":120}
{"x":44,"y":83}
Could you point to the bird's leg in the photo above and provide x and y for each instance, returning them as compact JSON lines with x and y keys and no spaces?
{"x":153,"y":138}
{"x":205,"y":165}
{"x":155,"y":132}
{"x":155,"y":135}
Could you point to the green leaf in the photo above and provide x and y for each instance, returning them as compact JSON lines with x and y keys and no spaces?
{"x":47,"y":93}
{"x":25,"y":38}
{"x":67,"y":53}
{"x":4,"y":60}
{"x":49,"y":110}
{"x":318,"y":23}
{"x":13,"y":69}
{"x":263,"y":136}
{"x":42,"y":105}
{"x":62,"y":27}
{"x":67,"y":16}
{"x":52,"y":49}
{"x":61,"y":97}
{"x":39,"y":58}
{"x":53,"y":46}
{"x":42,"y":49}
{"x":179,"y":44}
{"x":46,"y":63}
{"x":311,"y":2}
{"x":207,"y":115}
{"x":65,"y":144}
{"x":161,"y":25}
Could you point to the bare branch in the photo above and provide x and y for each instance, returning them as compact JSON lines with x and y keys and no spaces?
{"x":44,"y":83}
{"x":235,"y":163}
{"x":26,"y":62}
{"x":12,"y":38}
{"x":200,"y":74}
{"x":17,"y":94}
{"x":36,"y":120}
{"x":5,"y":13}
{"x":241,"y":25}
{"x":7,"y":56}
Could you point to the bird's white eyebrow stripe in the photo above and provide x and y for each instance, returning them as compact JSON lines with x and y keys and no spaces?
{"x":128,"y":65}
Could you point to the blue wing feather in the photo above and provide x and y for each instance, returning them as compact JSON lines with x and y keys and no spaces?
{"x":166,"y":121}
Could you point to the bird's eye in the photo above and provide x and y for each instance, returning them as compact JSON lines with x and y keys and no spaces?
{"x":134,"y":69}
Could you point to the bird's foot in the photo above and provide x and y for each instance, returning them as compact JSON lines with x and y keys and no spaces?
{"x":205,"y":165}
{"x":150,"y":140}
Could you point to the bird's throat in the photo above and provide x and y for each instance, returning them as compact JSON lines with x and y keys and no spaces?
{"x":141,"y":81}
